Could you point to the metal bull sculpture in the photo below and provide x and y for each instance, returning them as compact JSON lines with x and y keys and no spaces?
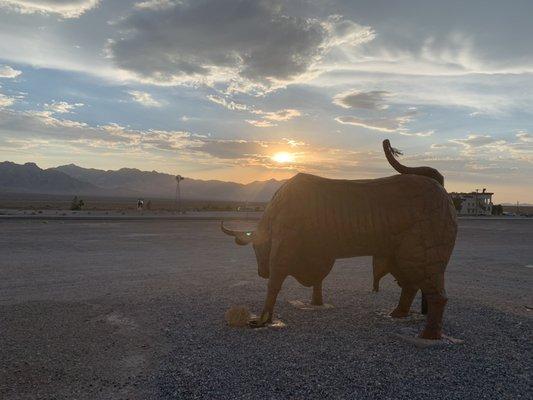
{"x":407,"y":222}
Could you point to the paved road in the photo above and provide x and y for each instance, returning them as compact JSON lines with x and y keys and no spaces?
{"x":125,"y":310}
{"x":65,"y":215}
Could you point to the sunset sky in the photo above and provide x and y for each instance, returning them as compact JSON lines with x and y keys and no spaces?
{"x":251,"y":90}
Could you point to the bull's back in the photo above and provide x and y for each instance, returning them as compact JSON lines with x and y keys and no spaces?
{"x":357,"y":217}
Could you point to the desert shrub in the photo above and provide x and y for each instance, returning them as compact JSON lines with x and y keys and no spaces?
{"x":497,"y":209}
{"x":76,"y":204}
{"x":457,"y":203}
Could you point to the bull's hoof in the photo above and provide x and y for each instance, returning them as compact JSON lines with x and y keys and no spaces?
{"x":431,"y":334}
{"x":261,"y":322}
{"x":398,"y":313}
{"x":317,"y":303}
{"x":255,"y":323}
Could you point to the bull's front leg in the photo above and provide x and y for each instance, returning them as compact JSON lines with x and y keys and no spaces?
{"x":404,"y":305}
{"x":274,"y":286}
{"x":317,"y":299}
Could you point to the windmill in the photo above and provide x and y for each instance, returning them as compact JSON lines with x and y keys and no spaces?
{"x":179,"y":178}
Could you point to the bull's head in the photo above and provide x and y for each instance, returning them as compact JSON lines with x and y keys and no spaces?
{"x":241,"y":237}
{"x":261,"y":244}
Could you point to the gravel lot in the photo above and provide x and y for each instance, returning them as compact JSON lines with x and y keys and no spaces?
{"x":134,"y":310}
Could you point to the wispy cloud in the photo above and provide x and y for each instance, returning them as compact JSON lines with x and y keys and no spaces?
{"x":267,"y":118}
{"x":270,"y":118}
{"x":144,"y":98}
{"x":229,"y":104}
{"x":379,"y":124}
{"x":372,"y":100}
{"x":63,"y":8}
{"x":476,"y":141}
{"x":488,"y":147}
{"x":8,"y":72}
{"x":524,"y":136}
{"x":156,"y":4}
{"x":386,"y":124}
{"x":6,"y":101}
{"x":61,"y":107}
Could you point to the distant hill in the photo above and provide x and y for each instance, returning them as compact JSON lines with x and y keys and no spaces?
{"x":29,"y":178}
{"x":72,"y":179}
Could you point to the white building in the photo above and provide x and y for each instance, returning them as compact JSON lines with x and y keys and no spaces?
{"x":473,"y":203}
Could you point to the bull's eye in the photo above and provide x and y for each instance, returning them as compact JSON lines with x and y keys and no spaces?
{"x":248,"y":233}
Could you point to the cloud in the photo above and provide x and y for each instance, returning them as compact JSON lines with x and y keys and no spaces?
{"x":373,"y":103}
{"x":372,"y":100}
{"x":156,"y":4}
{"x":281,"y":115}
{"x":438,"y":146}
{"x":267,"y":118}
{"x":7,"y":72}
{"x":29,"y":132}
{"x":144,"y":98}
{"x":234,"y":149}
{"x":378,"y":124}
{"x":6,"y":101}
{"x":391,"y":124}
{"x":61,"y":107}
{"x":524,"y":137}
{"x":229,"y":104}
{"x":432,"y":50}
{"x":484,"y":148}
{"x":64,"y":8}
{"x":43,"y":125}
{"x":260,"y":123}
{"x":244,"y":43}
{"x":21,"y":130}
{"x":345,"y":33}
{"x":305,"y":157}
{"x":475,"y":141}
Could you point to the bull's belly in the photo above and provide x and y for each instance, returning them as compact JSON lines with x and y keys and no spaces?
{"x":371,"y":248}
{"x":352,"y":254}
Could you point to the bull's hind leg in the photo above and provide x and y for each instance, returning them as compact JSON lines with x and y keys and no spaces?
{"x":317,"y":299}
{"x":436,"y":304}
{"x":274,"y":286}
{"x":435,"y":294}
{"x":404,"y":305}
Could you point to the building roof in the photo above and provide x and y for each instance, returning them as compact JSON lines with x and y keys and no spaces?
{"x":470,"y":193}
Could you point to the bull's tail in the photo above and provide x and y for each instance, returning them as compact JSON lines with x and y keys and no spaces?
{"x":391,"y":154}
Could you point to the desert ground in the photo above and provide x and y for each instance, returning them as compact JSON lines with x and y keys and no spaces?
{"x":134,"y":309}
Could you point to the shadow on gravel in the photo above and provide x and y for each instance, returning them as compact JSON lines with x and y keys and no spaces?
{"x":349,"y":351}
{"x":58,"y":350}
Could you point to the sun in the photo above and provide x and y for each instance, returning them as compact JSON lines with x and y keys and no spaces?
{"x":283,"y":157}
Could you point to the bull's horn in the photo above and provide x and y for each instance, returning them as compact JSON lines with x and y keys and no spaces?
{"x":226,"y":230}
{"x":241,"y":237}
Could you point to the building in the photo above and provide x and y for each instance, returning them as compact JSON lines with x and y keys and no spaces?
{"x":473,"y":203}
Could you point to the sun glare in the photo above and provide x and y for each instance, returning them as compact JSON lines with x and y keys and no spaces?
{"x":283,"y":157}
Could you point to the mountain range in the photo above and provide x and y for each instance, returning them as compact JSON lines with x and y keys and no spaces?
{"x":125,"y":182}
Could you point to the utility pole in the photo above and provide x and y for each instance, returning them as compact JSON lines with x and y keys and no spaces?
{"x":179,"y":178}
{"x":476,"y":202}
